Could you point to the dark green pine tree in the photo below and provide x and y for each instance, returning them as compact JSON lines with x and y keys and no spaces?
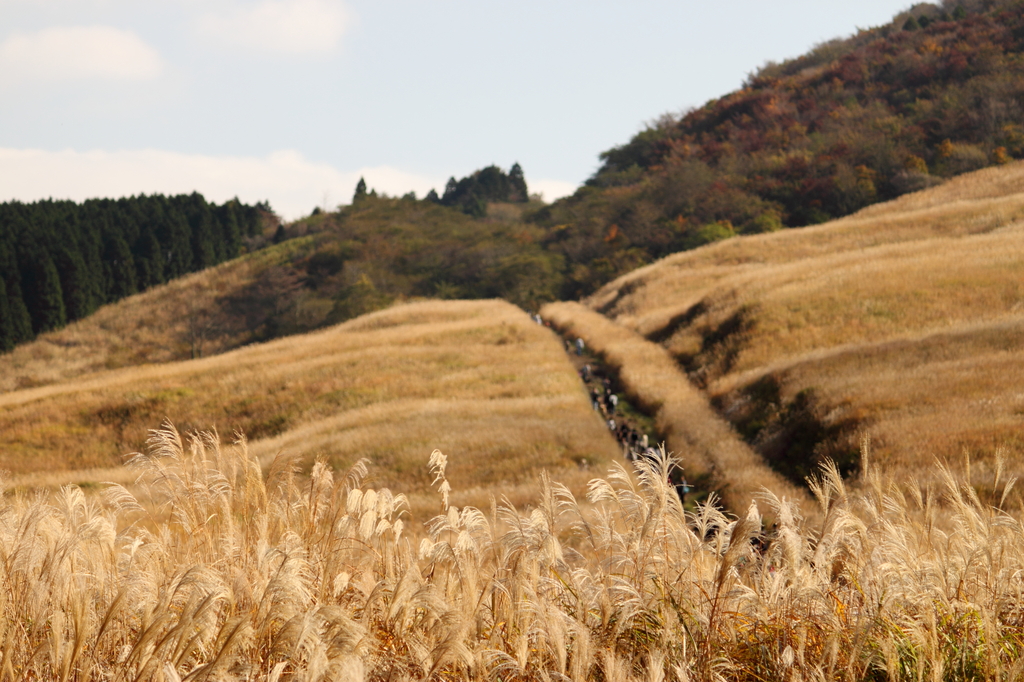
{"x":149,"y":259}
{"x":518,"y":182}
{"x":18,"y":323}
{"x":451,"y":188}
{"x":81,"y":292}
{"x":360,"y":193}
{"x":200,"y":221}
{"x":7,"y":340}
{"x":231,"y":217}
{"x":41,"y":285}
{"x":173,"y":235}
{"x":118,"y":267}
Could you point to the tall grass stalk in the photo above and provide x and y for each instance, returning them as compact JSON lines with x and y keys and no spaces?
{"x":219,"y":571}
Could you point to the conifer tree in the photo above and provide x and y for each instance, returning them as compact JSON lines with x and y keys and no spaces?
{"x":518,"y":182}
{"x":360,"y":193}
{"x":149,"y":260}
{"x":41,"y":285}
{"x":7,"y":340}
{"x":450,"y":188}
{"x":200,"y":221}
{"x":118,"y":267}
{"x":18,"y":323}
{"x":76,"y":283}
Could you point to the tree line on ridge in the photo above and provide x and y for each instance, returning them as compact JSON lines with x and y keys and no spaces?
{"x":61,"y":260}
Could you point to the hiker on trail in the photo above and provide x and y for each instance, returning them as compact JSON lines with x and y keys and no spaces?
{"x":586,"y":372}
{"x":579,"y":346}
{"x":611,"y":425}
{"x":613,"y":402}
{"x":595,"y":399}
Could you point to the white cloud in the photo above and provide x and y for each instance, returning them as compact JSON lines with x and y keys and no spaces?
{"x":77,"y":53}
{"x":551,"y":189}
{"x":290,"y":26}
{"x":292,"y":184}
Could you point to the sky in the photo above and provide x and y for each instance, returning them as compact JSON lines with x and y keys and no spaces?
{"x":291,"y":101}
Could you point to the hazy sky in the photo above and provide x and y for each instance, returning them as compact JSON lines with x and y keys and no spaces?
{"x":292,"y":100}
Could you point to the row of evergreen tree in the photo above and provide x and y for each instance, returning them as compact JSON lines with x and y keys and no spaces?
{"x":60,"y":260}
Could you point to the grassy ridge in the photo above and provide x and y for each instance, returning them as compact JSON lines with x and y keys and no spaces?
{"x":246,"y":576}
{"x":476,"y":377}
{"x":703,"y":442}
{"x":901,"y":323}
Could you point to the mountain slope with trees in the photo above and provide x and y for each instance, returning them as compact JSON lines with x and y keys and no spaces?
{"x":937,"y":92}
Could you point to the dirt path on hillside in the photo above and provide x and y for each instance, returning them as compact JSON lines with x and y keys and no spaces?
{"x":704,"y":442}
{"x":634,"y":428}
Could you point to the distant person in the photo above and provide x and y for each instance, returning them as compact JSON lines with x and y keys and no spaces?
{"x":586,"y":373}
{"x":611,"y":425}
{"x":613,"y":402}
{"x":579,"y":346}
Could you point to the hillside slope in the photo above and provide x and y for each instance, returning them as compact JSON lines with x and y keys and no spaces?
{"x":477,"y":379}
{"x":327,"y":268}
{"x":855,"y":121}
{"x":903,"y":323}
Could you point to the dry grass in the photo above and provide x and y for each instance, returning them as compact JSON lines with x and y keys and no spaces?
{"x":704,"y":442}
{"x":247,"y":576}
{"x":477,"y":377}
{"x":904,"y":319}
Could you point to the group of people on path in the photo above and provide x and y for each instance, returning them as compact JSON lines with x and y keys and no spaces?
{"x":635,"y":444}
{"x":605,"y":401}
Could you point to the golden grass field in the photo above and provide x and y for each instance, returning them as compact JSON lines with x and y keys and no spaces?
{"x":905,"y":320}
{"x":477,"y":378}
{"x":288,"y":557}
{"x":215,"y":570}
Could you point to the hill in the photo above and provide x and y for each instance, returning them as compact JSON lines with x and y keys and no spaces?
{"x":855,"y":121}
{"x":477,"y":379}
{"x":902,"y":323}
{"x":327,"y":268}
